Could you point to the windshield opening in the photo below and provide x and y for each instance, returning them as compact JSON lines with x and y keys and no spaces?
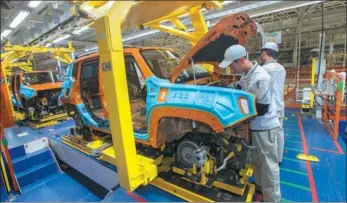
{"x":41,"y":78}
{"x":162,"y":62}
{"x":187,"y":74}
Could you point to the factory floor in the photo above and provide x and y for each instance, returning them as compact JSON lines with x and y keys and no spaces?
{"x":301,"y":181}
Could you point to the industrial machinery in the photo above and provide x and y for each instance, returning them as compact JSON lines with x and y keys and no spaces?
{"x":34,"y":94}
{"x":193,"y":137}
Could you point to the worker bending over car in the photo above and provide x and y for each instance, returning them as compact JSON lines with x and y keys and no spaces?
{"x":268,"y":56}
{"x":265,"y":127}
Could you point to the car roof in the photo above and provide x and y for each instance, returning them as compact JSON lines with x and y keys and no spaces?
{"x":127,"y":49}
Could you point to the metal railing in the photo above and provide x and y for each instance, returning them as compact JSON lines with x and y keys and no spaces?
{"x":296,"y":80}
{"x":334,"y":110}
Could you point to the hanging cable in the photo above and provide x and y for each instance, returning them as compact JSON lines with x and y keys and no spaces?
{"x":321,"y":48}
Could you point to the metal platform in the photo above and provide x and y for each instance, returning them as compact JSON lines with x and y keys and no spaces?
{"x":176,"y":186}
{"x":49,"y":121}
{"x":300,"y":180}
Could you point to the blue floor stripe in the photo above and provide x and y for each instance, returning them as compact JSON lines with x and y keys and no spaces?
{"x":295,"y":178}
{"x":294,"y":164}
{"x":294,"y":194}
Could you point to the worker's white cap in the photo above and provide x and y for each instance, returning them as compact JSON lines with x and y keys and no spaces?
{"x":232,"y":54}
{"x":270,"y":45}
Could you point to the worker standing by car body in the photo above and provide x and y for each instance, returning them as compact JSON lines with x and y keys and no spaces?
{"x":265,"y":128}
{"x":268,"y":56}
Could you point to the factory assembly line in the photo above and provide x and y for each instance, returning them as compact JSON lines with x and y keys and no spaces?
{"x":34,"y":94}
{"x":147,"y":123}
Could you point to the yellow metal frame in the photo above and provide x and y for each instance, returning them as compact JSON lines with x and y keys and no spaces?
{"x":190,"y":196}
{"x":18,"y":116}
{"x":49,"y":121}
{"x":180,"y":30}
{"x":4,"y":174}
{"x":24,"y":66}
{"x":60,"y":53}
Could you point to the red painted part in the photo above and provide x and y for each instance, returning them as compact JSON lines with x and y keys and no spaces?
{"x":8,"y":160}
{"x":139,"y":199}
{"x":6,"y":113}
{"x":338,"y":147}
{"x":293,"y":105}
{"x":259,"y":197}
{"x":308,"y":164}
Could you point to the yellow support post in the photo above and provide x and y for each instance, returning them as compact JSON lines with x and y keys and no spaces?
{"x":3,"y":169}
{"x":197,"y":18}
{"x":199,"y":23}
{"x":109,"y":38}
{"x":179,"y":25}
{"x":180,"y":33}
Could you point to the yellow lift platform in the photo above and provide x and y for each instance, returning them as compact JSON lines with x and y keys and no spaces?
{"x":15,"y":52}
{"x":137,"y":168}
{"x":44,"y":122}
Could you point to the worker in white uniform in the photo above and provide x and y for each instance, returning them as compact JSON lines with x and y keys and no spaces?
{"x":268,"y":56}
{"x":265,"y":127}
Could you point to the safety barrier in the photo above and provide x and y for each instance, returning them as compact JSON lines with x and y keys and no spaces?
{"x":334,"y":110}
{"x":297,"y":79}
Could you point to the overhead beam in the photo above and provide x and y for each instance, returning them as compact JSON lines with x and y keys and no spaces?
{"x":258,"y":8}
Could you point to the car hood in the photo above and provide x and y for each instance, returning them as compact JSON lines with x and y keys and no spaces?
{"x":46,"y":86}
{"x":234,"y":29}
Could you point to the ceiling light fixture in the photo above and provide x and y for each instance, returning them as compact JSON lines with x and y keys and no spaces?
{"x":34,"y":4}
{"x":19,"y":18}
{"x":79,"y":31}
{"x":61,"y":39}
{"x":286,"y":8}
{"x":227,"y":2}
{"x":5,"y":33}
{"x":91,"y":49}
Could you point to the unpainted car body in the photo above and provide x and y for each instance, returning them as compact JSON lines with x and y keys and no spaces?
{"x":36,"y":93}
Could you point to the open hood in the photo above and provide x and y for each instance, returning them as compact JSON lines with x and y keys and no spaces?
{"x":233,"y":29}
